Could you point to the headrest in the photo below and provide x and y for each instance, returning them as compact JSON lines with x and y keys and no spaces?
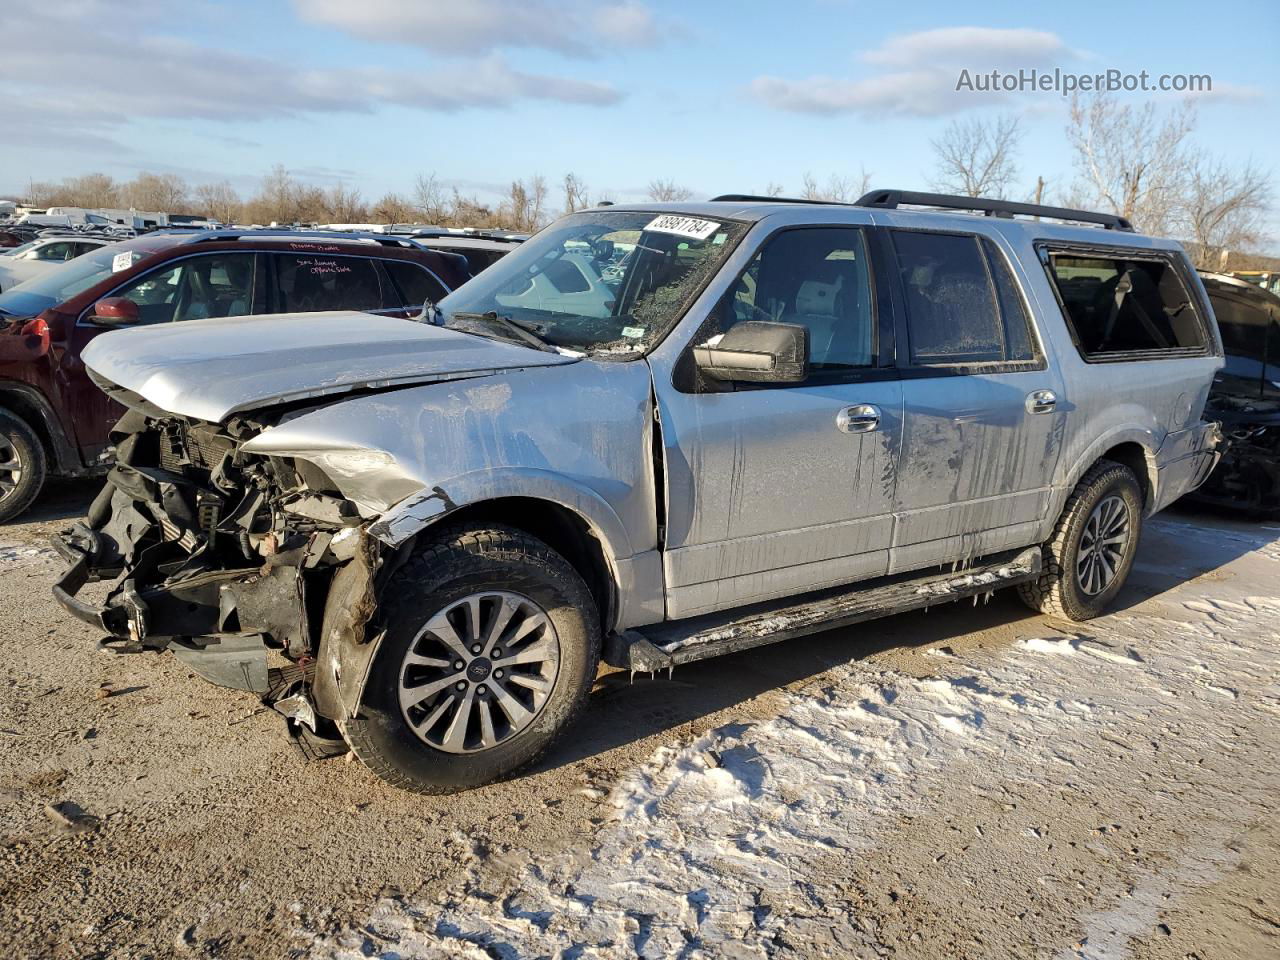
{"x":817,"y":298}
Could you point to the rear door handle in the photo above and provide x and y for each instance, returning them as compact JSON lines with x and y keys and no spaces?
{"x":860,"y":418}
{"x":1041,"y":401}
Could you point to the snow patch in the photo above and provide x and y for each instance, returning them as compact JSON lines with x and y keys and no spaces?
{"x":722,"y":845}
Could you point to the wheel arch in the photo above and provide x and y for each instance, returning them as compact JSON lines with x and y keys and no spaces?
{"x":1134,"y":448}
{"x":29,"y":404}
{"x":562,"y":529}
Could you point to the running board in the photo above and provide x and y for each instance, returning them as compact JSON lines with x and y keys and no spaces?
{"x":664,"y":645}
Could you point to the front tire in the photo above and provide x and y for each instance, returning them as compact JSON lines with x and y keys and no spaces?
{"x":491,"y":647}
{"x":23,"y":465}
{"x":1087,"y":560}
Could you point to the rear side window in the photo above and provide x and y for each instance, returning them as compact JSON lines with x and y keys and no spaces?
{"x":1119,"y":307}
{"x":415,"y":284}
{"x":963,"y":306}
{"x":306,"y":283}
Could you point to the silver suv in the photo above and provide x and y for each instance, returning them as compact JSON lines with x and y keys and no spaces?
{"x":649,"y":434}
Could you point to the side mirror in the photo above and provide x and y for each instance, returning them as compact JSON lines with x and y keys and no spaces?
{"x":114,"y":312}
{"x":756,"y":351}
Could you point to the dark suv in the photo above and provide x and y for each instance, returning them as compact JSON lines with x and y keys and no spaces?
{"x":53,"y":420}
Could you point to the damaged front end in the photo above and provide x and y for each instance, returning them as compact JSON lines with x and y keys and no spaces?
{"x":223,"y":556}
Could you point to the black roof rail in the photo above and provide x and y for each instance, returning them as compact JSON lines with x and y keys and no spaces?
{"x":892,"y":199}
{"x":753,"y":198}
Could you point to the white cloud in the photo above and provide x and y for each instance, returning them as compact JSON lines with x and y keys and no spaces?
{"x":80,"y":91}
{"x":578,"y":28}
{"x":974,"y":47}
{"x":927,"y":65}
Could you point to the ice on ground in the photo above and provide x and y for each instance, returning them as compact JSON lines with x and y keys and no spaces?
{"x":722,"y":846}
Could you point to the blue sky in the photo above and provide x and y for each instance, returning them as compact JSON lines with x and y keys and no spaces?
{"x":718,"y":96}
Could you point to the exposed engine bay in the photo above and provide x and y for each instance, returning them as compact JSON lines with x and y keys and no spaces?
{"x":221,"y":556}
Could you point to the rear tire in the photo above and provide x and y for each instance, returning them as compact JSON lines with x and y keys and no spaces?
{"x":1089,"y":556}
{"x":23,"y":465}
{"x":430,"y":726}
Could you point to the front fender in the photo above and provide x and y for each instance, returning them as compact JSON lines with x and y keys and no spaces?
{"x":417,"y":512}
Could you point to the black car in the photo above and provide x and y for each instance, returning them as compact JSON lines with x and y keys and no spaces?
{"x":1246,"y":396}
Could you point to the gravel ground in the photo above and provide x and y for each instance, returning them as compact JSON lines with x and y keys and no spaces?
{"x":967,"y":782}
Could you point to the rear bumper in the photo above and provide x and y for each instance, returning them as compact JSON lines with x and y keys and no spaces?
{"x":1185,"y":460}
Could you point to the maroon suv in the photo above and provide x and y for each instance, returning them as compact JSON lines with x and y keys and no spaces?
{"x":53,"y":420}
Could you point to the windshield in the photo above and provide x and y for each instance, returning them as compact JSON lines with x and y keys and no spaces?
{"x":599,"y":282}
{"x":62,"y":283}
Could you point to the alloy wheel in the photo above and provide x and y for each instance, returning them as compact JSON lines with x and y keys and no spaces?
{"x":10,"y":468}
{"x":479,"y":671}
{"x":1103,"y":544}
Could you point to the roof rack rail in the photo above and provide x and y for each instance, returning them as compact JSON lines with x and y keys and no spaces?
{"x":892,"y":199}
{"x":302,"y":235}
{"x":753,"y":198}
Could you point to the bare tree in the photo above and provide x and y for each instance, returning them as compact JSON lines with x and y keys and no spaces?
{"x":975,"y":158}
{"x":663,"y":190}
{"x":524,"y":207}
{"x":1224,"y":209}
{"x":430,"y":199}
{"x":469,"y":212}
{"x":277,"y":198}
{"x":1132,"y":160}
{"x":393,"y":208}
{"x":165,"y":192}
{"x":343,"y":204}
{"x":575,"y":194}
{"x":838,"y":188}
{"x":89,"y":190}
{"x":220,"y":201}
{"x":772,"y":189}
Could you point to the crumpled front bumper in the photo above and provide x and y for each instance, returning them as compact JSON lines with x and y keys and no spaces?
{"x":80,"y":547}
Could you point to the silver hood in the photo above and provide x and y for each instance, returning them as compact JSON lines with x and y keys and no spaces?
{"x":210,"y":369}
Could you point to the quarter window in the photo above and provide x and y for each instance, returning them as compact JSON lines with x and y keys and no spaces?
{"x":416,"y":285}
{"x":1118,"y":306}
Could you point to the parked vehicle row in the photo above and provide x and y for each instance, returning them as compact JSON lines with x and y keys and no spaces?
{"x":21,"y":263}
{"x":648,"y":434}
{"x":53,"y":420}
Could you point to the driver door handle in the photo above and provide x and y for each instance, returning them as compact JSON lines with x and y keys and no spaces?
{"x":1041,"y":401}
{"x":860,"y":418}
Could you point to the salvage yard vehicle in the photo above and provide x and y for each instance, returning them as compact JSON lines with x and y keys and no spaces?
{"x":482,"y":250}
{"x":1246,"y":396}
{"x":53,"y":420}
{"x":786,"y":416}
{"x":43,"y":254}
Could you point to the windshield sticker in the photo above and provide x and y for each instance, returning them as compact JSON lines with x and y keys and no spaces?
{"x":121,"y":261}
{"x":634,"y":333}
{"x":683,"y":226}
